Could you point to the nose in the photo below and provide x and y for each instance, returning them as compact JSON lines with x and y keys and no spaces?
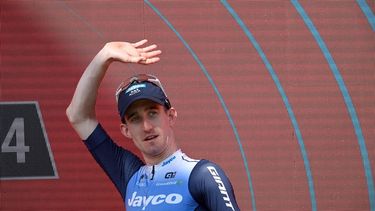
{"x":147,"y":125}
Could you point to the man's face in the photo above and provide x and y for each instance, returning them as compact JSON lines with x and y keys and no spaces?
{"x":148,"y":124}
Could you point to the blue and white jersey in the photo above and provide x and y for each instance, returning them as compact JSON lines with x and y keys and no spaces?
{"x":163,"y":185}
{"x":177,"y":183}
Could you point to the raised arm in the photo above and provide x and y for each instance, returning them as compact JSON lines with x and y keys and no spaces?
{"x":81,"y":111}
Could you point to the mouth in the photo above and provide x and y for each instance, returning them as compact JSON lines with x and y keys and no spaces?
{"x":150,"y":137}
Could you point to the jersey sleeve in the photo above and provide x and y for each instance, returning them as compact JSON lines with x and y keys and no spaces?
{"x":119,"y":164}
{"x":211,"y":188}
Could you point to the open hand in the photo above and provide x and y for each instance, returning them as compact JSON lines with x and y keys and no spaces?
{"x":132,"y":52}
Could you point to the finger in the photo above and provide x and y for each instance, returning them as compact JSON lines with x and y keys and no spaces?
{"x":146,"y":49}
{"x":149,"y":48}
{"x":139,"y":43}
{"x":150,"y":60}
{"x":151,"y":54}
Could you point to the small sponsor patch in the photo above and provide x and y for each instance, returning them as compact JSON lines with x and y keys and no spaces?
{"x":136,"y":86}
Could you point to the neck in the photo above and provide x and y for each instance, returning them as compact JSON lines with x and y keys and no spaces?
{"x":168,"y":151}
{"x":154,"y":160}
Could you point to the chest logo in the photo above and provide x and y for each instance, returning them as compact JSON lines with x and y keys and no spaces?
{"x":170,"y":175}
{"x":168,"y":161}
{"x":144,"y":201}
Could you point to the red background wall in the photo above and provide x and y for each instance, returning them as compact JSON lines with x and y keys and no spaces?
{"x":46,"y":45}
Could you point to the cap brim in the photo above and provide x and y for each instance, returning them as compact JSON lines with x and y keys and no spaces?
{"x":141,"y":97}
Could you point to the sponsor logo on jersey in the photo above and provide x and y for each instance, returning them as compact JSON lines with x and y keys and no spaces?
{"x":142,"y":181}
{"x":221,"y":186}
{"x":170,"y":175}
{"x":168,"y":161}
{"x":175,"y":182}
{"x":153,"y":200}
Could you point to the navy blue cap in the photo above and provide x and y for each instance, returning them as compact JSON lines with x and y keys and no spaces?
{"x":139,"y":91}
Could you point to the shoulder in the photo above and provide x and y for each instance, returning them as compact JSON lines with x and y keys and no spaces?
{"x":206,"y":169}
{"x":118,"y":163}
{"x":211,"y":188}
{"x":97,"y":137}
{"x":106,"y":151}
{"x":203,"y":176}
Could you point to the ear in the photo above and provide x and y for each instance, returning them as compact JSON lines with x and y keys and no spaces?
{"x":172,"y":116}
{"x":125,"y":131}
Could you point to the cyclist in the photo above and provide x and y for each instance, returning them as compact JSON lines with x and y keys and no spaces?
{"x":166,"y":178}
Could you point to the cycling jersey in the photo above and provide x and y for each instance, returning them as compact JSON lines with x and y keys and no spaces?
{"x":176,"y":183}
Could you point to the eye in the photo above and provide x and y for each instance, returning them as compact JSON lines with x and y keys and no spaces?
{"x":152,"y":113}
{"x":134,"y":119}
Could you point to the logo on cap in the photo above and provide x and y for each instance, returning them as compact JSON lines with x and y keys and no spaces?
{"x":136,"y":86}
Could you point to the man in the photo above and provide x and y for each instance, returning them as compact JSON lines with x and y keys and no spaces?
{"x":168,"y":180}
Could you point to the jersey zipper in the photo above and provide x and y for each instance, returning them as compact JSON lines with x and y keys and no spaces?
{"x":153,"y":172}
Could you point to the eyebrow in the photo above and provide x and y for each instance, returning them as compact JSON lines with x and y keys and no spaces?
{"x":127,"y":117}
{"x":151,"y":107}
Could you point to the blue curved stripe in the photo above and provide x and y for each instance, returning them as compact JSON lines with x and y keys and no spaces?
{"x":347,"y":99}
{"x":368,"y":13}
{"x":284,"y":97}
{"x":216,"y":92}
